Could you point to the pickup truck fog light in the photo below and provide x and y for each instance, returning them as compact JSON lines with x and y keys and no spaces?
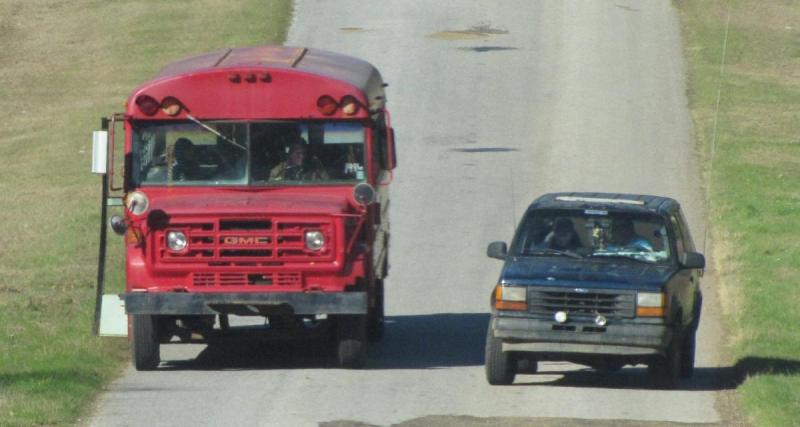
{"x":600,"y":320}
{"x":650,"y":304}
{"x":315,"y":240}
{"x":560,"y":316}
{"x":177,"y":241}
{"x":511,"y":298}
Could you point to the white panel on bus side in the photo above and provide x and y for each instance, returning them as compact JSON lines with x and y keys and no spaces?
{"x":113,"y":320}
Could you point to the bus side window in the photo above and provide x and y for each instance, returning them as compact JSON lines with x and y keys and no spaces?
{"x":379,"y":142}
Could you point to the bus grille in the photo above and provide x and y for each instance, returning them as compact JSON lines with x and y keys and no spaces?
{"x":589,"y":302}
{"x":255,"y":242}
{"x":246,"y":279}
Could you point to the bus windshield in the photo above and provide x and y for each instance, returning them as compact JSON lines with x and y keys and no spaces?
{"x":194,"y":153}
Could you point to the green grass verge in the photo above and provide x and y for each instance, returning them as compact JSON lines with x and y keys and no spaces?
{"x":66,"y":64}
{"x":755,"y":187}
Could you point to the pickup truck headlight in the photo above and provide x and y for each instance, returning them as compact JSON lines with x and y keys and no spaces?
{"x":650,"y":304}
{"x":511,"y":298}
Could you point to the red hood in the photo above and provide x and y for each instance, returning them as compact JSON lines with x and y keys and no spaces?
{"x":308,"y":201}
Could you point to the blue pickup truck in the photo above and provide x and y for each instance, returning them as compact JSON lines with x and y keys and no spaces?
{"x":599,"y":279}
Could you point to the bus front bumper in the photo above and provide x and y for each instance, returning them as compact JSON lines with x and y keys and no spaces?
{"x":243,"y":304}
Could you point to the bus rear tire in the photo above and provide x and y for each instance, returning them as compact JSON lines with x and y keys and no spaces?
{"x":351,"y":341}
{"x":375,"y":327}
{"x":145,"y":347}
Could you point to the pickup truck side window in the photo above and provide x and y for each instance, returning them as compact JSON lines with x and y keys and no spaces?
{"x":680,"y":247}
{"x":687,"y":236}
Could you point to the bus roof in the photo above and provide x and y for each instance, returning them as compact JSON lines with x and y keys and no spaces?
{"x":354,"y":71}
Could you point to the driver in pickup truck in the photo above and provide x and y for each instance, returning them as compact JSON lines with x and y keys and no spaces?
{"x":563,"y":237}
{"x":624,"y":237}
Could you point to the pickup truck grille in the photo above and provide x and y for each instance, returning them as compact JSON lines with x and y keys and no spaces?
{"x":589,"y":302}
{"x":254,"y":241}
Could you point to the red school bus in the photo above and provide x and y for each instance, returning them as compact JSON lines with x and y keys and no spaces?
{"x":255,"y":183}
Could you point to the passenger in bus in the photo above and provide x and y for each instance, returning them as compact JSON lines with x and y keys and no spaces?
{"x":295,"y":167}
{"x":186,"y":165}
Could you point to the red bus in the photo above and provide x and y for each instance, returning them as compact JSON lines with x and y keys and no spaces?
{"x":255,"y":183}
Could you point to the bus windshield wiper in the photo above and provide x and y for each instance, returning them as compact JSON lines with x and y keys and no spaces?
{"x":548,"y":251}
{"x":214,"y":131}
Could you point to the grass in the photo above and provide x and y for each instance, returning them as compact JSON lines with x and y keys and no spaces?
{"x":65,"y":65}
{"x":754,"y":187}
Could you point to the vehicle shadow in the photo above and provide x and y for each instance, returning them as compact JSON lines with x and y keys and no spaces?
{"x":426,"y":341}
{"x":704,"y":378}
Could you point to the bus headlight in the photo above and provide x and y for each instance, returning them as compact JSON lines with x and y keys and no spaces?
{"x":177,"y":241}
{"x":315,"y":240}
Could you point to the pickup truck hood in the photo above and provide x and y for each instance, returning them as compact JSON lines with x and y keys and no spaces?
{"x":589,"y":273}
{"x":245,"y":202}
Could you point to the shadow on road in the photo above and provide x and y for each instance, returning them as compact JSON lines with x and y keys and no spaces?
{"x":411,"y":342}
{"x":445,"y":340}
{"x":704,"y":379}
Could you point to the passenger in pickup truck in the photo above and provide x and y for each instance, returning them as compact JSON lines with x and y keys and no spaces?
{"x":563,"y":237}
{"x":624,"y":237}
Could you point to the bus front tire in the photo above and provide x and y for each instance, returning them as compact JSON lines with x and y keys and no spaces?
{"x":145,"y":347}
{"x":351,"y":341}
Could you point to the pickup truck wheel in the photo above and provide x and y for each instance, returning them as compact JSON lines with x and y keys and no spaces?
{"x":375,"y":328}
{"x":351,"y":341}
{"x":687,"y":354}
{"x":500,"y":366}
{"x":145,"y":347}
{"x":666,"y":369}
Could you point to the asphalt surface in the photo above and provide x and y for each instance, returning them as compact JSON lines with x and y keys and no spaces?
{"x":494,"y":103}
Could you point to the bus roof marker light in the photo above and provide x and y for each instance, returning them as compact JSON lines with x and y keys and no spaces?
{"x":350,"y":105}
{"x":147,"y":105}
{"x":234,"y":78}
{"x":265,"y":77}
{"x":327,"y":105}
{"x":171,"y":106}
{"x":250,"y":78}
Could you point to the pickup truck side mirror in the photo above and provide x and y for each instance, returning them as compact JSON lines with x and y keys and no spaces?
{"x":691,"y":260}
{"x":497,"y":250}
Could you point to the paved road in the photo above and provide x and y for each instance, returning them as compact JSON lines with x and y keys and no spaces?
{"x":494,"y":104}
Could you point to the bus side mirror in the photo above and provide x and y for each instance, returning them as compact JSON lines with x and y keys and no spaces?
{"x":100,"y":152}
{"x":391,"y":153}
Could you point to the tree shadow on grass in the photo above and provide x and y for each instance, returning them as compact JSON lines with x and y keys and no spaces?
{"x":411,"y":342}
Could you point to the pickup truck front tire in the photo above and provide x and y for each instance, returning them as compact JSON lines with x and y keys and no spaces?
{"x":500,"y":366}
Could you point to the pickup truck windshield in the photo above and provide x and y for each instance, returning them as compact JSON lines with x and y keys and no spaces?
{"x":588,"y":233}
{"x":247,"y":153}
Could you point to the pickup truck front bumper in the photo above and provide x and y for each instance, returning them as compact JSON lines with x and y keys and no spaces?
{"x":256,"y":304}
{"x":628,"y":337}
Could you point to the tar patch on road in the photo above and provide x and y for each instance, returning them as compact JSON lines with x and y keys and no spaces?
{"x":481,"y":49}
{"x":475,"y":32}
{"x":465,"y":421}
{"x":484,"y":150}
